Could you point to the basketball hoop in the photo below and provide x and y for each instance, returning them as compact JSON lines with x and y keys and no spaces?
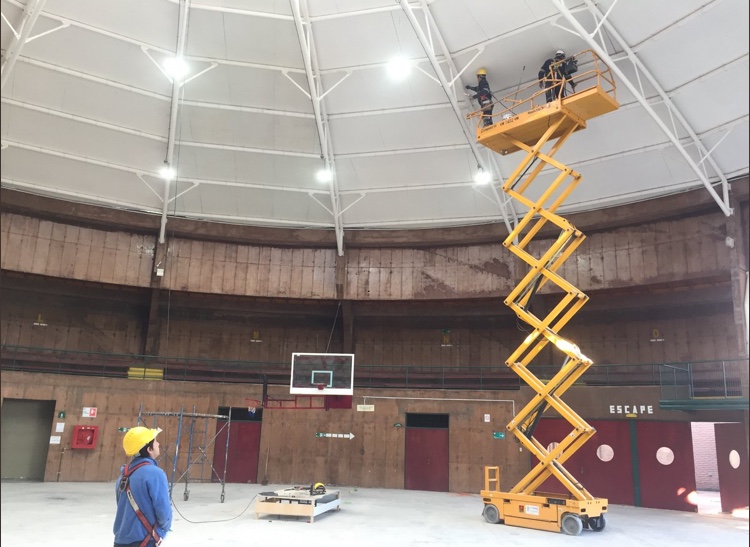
{"x":252,"y":405}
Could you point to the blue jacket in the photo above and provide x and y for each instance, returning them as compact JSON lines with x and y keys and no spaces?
{"x":151,"y":492}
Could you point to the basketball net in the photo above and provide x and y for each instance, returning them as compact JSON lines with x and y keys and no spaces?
{"x":252,"y":405}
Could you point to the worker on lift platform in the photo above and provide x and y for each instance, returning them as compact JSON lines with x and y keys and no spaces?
{"x":483,"y":95}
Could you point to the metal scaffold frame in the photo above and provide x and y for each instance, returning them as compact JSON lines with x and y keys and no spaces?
{"x":202,"y":457}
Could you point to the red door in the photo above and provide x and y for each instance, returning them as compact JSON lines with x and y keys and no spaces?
{"x":666,"y":465}
{"x":242,"y":457}
{"x":731,"y":457}
{"x":602,"y":465}
{"x":426,"y":459}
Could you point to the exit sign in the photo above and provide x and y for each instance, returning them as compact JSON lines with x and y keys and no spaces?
{"x":498,"y":434}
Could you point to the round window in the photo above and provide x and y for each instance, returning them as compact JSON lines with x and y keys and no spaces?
{"x":605,"y":453}
{"x":734,"y":459}
{"x":664,"y":455}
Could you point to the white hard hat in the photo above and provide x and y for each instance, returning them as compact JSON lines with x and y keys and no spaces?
{"x":559,"y":52}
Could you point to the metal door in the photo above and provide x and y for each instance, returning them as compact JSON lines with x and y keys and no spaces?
{"x":242,"y":457}
{"x":666,"y":466}
{"x":602,"y":465}
{"x":426,"y":459}
{"x":731,"y":457}
{"x":26,"y":427}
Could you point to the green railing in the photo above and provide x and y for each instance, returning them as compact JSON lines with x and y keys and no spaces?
{"x":726,"y":378}
{"x":703,"y":384}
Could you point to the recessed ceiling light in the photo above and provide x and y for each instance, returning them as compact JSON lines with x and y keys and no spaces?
{"x":167,"y":173}
{"x":175,"y":67}
{"x":324,"y":175}
{"x":399,"y":68}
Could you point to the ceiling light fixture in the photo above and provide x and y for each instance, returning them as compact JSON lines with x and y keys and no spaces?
{"x":176,"y":67}
{"x":167,"y":173}
{"x":324,"y":175}
{"x":482,"y":177}
{"x":399,"y":68}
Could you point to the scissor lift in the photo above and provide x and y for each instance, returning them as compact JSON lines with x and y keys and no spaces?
{"x":532,"y":128}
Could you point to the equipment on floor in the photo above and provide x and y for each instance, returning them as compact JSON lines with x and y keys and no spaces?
{"x":298,"y":501}
{"x":532,"y":131}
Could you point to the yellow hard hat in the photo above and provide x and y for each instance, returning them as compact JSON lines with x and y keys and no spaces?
{"x":138,"y":437}
{"x":482,"y":72}
{"x":319,"y":486}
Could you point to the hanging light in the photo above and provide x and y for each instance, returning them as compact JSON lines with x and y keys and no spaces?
{"x":167,"y":173}
{"x":399,"y":68}
{"x":324,"y":175}
{"x":176,"y":67}
{"x":482,"y":177}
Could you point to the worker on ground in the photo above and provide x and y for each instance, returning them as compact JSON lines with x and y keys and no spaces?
{"x":484,"y":96}
{"x":551,"y":76}
{"x":144,"y":510}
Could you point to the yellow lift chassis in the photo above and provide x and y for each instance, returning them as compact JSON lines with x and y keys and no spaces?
{"x":532,"y":128}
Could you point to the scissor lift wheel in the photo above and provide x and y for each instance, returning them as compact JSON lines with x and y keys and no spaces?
{"x":491,"y":514}
{"x":571,"y":524}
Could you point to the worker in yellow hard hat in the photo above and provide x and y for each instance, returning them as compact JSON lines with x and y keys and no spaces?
{"x":483,"y":95}
{"x":144,"y":510}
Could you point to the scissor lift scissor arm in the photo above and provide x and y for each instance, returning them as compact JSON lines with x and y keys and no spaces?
{"x":540,"y":131}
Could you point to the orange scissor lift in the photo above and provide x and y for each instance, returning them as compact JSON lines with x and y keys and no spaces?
{"x":540,"y":129}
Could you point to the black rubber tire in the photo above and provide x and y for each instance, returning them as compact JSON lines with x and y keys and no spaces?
{"x":598,"y":523}
{"x":491,"y":514}
{"x":571,"y":524}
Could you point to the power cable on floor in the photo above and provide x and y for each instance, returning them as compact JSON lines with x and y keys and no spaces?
{"x":210,"y":521}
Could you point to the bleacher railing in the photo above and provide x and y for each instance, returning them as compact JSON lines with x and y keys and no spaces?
{"x":724,"y":378}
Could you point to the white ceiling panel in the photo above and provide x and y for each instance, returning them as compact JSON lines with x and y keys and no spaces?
{"x":247,"y":86}
{"x":263,"y":131}
{"x":150,"y":21}
{"x":39,"y":87}
{"x":365,"y":40}
{"x":62,"y":177}
{"x":232,"y":36}
{"x":83,"y":140}
{"x":84,"y":108}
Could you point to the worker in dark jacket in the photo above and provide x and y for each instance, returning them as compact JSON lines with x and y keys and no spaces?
{"x":551,"y":76}
{"x":144,"y":510}
{"x":484,"y":96}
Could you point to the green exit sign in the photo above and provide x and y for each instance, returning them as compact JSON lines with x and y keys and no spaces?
{"x":498,"y":434}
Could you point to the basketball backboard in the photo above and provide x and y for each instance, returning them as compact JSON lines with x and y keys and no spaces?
{"x":322,"y":374}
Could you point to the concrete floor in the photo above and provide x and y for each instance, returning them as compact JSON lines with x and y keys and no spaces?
{"x":74,"y":514}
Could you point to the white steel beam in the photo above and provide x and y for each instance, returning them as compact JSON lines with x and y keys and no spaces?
{"x":176,"y":84}
{"x":30,"y":15}
{"x":314,"y":84}
{"x":723,"y":202}
{"x":451,"y":93}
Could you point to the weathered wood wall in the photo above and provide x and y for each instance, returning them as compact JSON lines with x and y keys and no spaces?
{"x":659,"y":252}
{"x":82,"y":317}
{"x":374,"y":458}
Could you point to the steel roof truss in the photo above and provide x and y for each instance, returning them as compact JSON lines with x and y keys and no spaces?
{"x":637,"y":91}
{"x":314,"y":84}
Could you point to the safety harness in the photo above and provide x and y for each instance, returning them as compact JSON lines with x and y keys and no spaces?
{"x":125,"y":487}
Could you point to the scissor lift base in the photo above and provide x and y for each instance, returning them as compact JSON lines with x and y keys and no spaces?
{"x":550,"y":512}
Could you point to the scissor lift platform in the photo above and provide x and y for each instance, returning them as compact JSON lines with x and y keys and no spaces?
{"x":528,"y":126}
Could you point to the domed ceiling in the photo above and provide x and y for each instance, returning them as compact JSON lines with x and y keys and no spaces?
{"x":274,"y":91}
